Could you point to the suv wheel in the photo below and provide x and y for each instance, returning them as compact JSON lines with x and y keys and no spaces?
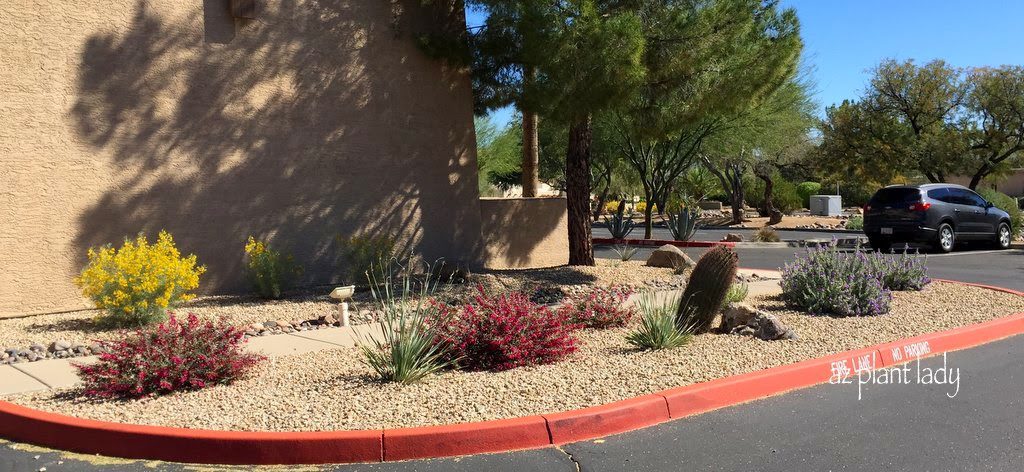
{"x":1003,"y":236}
{"x":945,"y":238}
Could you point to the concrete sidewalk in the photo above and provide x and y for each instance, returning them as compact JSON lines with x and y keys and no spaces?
{"x":27,"y":377}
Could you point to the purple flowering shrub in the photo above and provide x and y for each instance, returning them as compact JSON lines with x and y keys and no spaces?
{"x":828,"y":281}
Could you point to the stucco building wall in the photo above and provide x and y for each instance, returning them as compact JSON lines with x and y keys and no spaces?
{"x":521,"y":233}
{"x":316,"y":119}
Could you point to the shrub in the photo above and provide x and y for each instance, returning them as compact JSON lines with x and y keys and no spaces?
{"x":138,"y":282}
{"x":360,"y":254}
{"x":599,"y":308}
{"x":766,"y":234}
{"x":1008,"y":204}
{"x":784,"y":194}
{"x":827,"y":281}
{"x":901,"y":272}
{"x":505,"y":332}
{"x":658,"y":329}
{"x":805,"y":189}
{"x":171,"y":357}
{"x":641,"y":207}
{"x":407,"y":349}
{"x":611,"y":207}
{"x":855,"y":222}
{"x":737,"y":293}
{"x":709,"y":283}
{"x":269,"y":271}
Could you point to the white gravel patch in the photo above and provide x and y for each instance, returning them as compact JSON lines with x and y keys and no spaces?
{"x":332,"y":390}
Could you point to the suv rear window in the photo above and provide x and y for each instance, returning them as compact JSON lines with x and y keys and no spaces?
{"x":896,"y":196}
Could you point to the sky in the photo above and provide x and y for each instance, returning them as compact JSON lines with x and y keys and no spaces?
{"x":844,"y":39}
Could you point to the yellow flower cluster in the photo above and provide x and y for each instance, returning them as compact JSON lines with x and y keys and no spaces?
{"x":642,"y":206}
{"x":138,"y":281}
{"x":611,"y":207}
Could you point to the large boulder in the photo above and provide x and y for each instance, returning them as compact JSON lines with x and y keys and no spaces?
{"x":669,"y":256}
{"x":735,"y":315}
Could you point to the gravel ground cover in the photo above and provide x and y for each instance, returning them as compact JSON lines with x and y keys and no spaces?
{"x":333,"y":390}
{"x":550,"y":285}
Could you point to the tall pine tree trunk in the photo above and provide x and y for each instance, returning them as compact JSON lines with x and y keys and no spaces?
{"x":577,"y":193}
{"x":531,"y":150}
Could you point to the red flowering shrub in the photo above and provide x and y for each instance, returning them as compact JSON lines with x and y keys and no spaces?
{"x":505,"y":332}
{"x":171,"y":357}
{"x":599,"y":308}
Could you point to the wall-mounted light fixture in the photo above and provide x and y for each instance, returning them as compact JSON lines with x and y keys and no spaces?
{"x":243,"y":8}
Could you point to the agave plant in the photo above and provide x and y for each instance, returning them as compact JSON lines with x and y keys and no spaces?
{"x":618,"y":224}
{"x":683,"y":224}
{"x":625,"y":252}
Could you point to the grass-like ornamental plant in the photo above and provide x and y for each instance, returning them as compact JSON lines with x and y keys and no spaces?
{"x":828,"y":281}
{"x":658,"y":329}
{"x":269,"y":271}
{"x":599,"y":308}
{"x":506,"y":331}
{"x":136,"y":283}
{"x":171,"y":357}
{"x":625,"y":252}
{"x":406,"y":349}
{"x":766,"y":234}
{"x":707,"y":288}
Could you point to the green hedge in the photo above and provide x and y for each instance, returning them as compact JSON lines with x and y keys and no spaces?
{"x":805,"y":190}
{"x":1006,"y":203}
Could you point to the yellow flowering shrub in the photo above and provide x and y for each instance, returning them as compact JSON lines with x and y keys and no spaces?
{"x":137,"y":282}
{"x":640,"y":207}
{"x":611,"y":207}
{"x":270,"y":271}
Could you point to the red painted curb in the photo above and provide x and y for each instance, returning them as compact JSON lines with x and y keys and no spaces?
{"x":718,"y":393}
{"x":22,"y":424}
{"x":467,"y":438}
{"x":662,"y":242}
{"x":607,"y":419}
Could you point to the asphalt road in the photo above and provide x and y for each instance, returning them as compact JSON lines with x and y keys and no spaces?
{"x":892,"y":427}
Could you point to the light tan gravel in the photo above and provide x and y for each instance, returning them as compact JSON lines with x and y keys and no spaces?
{"x":332,"y":390}
{"x":78,"y":327}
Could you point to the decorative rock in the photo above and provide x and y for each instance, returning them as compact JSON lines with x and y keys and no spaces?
{"x":270,"y":324}
{"x":736,"y":315}
{"x":32,"y":356}
{"x":669,"y":256}
{"x":59,"y":346}
{"x":97,"y":348}
{"x":36,"y":347}
{"x":775,"y":217}
{"x":327,"y":320}
{"x":82,"y":350}
{"x":733,"y":238}
{"x":766,"y":327}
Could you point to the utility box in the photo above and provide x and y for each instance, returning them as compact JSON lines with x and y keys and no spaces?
{"x":826,"y":205}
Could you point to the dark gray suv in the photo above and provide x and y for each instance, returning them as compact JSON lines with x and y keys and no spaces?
{"x":938,"y":214}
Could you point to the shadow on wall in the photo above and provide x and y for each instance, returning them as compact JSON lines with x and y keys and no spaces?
{"x":314,"y":120}
{"x":524,"y":232}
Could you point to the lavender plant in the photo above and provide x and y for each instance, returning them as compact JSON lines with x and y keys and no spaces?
{"x":828,"y":281}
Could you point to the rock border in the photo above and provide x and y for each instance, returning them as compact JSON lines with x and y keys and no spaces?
{"x":23,"y":424}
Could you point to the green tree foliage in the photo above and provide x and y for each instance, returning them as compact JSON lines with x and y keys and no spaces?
{"x":497,"y":154}
{"x":704,"y":60}
{"x":933,"y":120}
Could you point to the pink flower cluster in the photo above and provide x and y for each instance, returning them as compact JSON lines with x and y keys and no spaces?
{"x":504,"y":332}
{"x":171,"y":357}
{"x":600,"y":308}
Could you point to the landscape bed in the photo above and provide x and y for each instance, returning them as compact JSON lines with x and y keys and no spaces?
{"x":333,"y":390}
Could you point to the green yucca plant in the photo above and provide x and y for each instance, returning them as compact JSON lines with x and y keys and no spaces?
{"x":658,"y":328}
{"x":405,"y":350}
{"x":737,"y":293}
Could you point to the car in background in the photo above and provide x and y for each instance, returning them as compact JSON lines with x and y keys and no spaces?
{"x":941,"y":215}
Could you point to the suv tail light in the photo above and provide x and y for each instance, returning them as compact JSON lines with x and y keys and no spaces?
{"x":920,"y":206}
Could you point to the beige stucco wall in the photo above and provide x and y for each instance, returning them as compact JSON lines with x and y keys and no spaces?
{"x":318,"y":118}
{"x":1012,"y":184}
{"x":524,"y":232}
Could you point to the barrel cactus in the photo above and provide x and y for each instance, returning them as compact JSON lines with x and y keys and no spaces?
{"x":709,"y":283}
